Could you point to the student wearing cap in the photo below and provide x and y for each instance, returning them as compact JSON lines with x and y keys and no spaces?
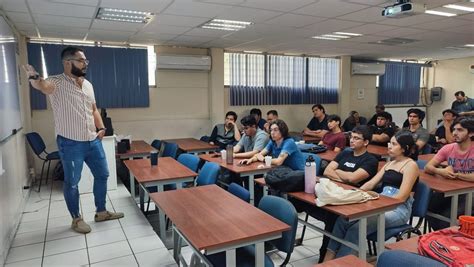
{"x":420,"y":134}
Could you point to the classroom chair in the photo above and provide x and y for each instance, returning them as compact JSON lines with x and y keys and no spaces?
{"x":421,"y":164}
{"x":170,"y":150}
{"x":156,"y":144}
{"x":397,"y":258}
{"x":39,"y":148}
{"x":239,"y":191}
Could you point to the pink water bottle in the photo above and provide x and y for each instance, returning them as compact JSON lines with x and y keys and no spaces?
{"x":309,"y":175}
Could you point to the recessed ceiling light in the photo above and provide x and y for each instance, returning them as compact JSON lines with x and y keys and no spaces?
{"x":459,"y":7}
{"x":325,"y":38}
{"x":440,"y":13}
{"x":348,"y":33}
{"x":123,"y":15}
{"x":226,"y":25}
{"x":335,"y":36}
{"x":252,"y":52}
{"x":469,"y":45}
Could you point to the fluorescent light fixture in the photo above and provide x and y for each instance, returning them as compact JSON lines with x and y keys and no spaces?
{"x":325,"y":38}
{"x":347,"y":33}
{"x":123,"y":15}
{"x":459,"y":7}
{"x":335,"y":36}
{"x":469,"y":45}
{"x":226,"y":25}
{"x":439,"y":13}
{"x":252,"y":52}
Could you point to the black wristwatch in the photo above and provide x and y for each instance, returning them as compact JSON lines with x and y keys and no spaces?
{"x":34,"y":77}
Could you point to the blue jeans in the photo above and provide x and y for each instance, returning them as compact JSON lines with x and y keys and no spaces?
{"x":349,"y":231}
{"x":73,"y":155}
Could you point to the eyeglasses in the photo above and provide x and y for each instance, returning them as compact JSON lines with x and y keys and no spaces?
{"x":83,"y":61}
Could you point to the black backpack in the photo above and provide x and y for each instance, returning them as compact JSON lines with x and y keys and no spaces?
{"x":284,"y":179}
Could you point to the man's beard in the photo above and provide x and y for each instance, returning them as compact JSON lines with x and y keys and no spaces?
{"x":77,"y":71}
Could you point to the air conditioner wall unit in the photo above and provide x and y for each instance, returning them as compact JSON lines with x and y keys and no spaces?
{"x":183,"y":62}
{"x":359,"y":68}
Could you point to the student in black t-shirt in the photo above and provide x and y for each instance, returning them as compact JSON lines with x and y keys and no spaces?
{"x":443,"y":134}
{"x":318,"y":125}
{"x":352,"y":166}
{"x":382,"y":130}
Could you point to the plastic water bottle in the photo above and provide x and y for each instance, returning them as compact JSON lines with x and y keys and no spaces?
{"x":230,"y":154}
{"x":309,"y":175}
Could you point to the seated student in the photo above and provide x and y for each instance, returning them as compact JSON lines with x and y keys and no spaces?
{"x":460,"y":158}
{"x":420,"y":134}
{"x":382,"y":131}
{"x":353,"y":166}
{"x":257,"y":113}
{"x":318,"y":125}
{"x":282,"y":148}
{"x":463,"y":105}
{"x":353,"y":120}
{"x":398,"y":178}
{"x":378,"y":109}
{"x":253,"y":140}
{"x":226,"y":133}
{"x":271,"y":116}
{"x":335,"y":138}
{"x":443,"y":133}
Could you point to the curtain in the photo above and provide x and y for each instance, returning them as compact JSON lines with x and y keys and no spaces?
{"x":323,"y":81}
{"x":247,"y":80}
{"x":286,"y":79}
{"x":400,"y":84}
{"x":119,"y":75}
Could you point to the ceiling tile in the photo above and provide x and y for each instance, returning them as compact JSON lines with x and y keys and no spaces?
{"x":26,"y":26}
{"x":196,"y":39}
{"x":167,"y":29}
{"x":19,"y":17}
{"x":411,"y":20}
{"x":61,"y":20}
{"x":332,"y":25}
{"x":278,"y":5}
{"x":292,"y":20}
{"x":247,"y":14}
{"x":13,"y":5}
{"x":82,"y":2}
{"x":116,"y":25}
{"x":187,"y":8}
{"x":207,"y":32}
{"x":223,"y":43}
{"x":139,"y":5}
{"x":52,"y":28}
{"x":400,"y":32}
{"x":45,"y":7}
{"x":329,"y":8}
{"x":371,"y":28}
{"x":467,"y":16}
{"x":163,"y":19}
{"x":366,"y":39}
{"x":62,"y":35}
{"x":371,"y":14}
{"x":222,"y":2}
{"x":443,"y":24}
{"x":371,"y":2}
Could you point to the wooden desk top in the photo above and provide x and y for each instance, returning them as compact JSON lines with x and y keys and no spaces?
{"x":378,"y":150}
{"x":191,"y":144}
{"x":409,"y":245}
{"x":235,"y":167}
{"x":443,"y":185}
{"x":306,"y":138}
{"x":345,"y":261}
{"x":211,"y":217}
{"x":426,"y":157}
{"x":167,"y":169}
{"x":328,"y":155}
{"x":137,"y":148}
{"x":351,"y":211}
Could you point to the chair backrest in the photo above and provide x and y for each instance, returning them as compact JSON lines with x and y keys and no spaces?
{"x":422,"y":200}
{"x":156,"y":144}
{"x":284,"y":211}
{"x":404,"y":258}
{"x":208,"y":174}
{"x":170,"y":150}
{"x":189,"y":160}
{"x":427,"y":149}
{"x":36,"y":142}
{"x":421,"y":164}
{"x":316,"y":158}
{"x":239,"y":191}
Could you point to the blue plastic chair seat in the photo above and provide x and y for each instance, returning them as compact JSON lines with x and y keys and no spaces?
{"x":53,"y":155}
{"x":245,"y":258}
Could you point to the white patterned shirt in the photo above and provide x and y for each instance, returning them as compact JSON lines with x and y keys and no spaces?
{"x":72,"y":108}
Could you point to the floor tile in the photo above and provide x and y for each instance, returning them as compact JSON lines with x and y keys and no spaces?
{"x":27,"y":252}
{"x":32,"y":226}
{"x":146,"y":243}
{"x":122,"y":261}
{"x":157,"y":257}
{"x":34,"y":216}
{"x":132,"y":220}
{"x":64,"y":245}
{"x":29,"y":238}
{"x":139,"y":230}
{"x":59,"y":222}
{"x":61,"y":232}
{"x":299,"y":253}
{"x":29,"y":263}
{"x":306,"y":262}
{"x":104,"y":237}
{"x":72,"y":258}
{"x":103,"y":226}
{"x":313,"y":244}
{"x":109,"y":251}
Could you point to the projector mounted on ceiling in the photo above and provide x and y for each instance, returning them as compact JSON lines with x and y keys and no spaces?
{"x":403,"y":8}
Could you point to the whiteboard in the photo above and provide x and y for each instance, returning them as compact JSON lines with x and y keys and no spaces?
{"x":399,"y":113}
{"x":10,"y":115}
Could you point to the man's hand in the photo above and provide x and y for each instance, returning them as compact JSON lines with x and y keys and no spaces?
{"x":447,"y":172}
{"x":100,"y":134}
{"x":30,"y":70}
{"x":260,"y":157}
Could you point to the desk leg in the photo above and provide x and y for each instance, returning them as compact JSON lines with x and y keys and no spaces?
{"x":176,"y":246}
{"x":468,"y":210}
{"x":230,"y":258}
{"x":380,"y":233}
{"x":141,"y":193}
{"x":162,"y":219}
{"x":454,"y":210}
{"x":265,"y":190}
{"x":260,"y":254}
{"x":362,"y":238}
{"x":252,"y":189}
{"x":132,"y":185}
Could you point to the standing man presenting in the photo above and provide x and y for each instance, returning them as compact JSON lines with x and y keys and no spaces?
{"x":76,"y":118}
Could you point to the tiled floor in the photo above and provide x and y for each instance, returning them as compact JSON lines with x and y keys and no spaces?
{"x":44,"y":237}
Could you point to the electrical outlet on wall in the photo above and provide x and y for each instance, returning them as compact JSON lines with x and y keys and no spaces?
{"x":360,"y":93}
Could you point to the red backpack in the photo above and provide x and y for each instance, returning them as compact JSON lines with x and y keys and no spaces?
{"x":448,"y":246}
